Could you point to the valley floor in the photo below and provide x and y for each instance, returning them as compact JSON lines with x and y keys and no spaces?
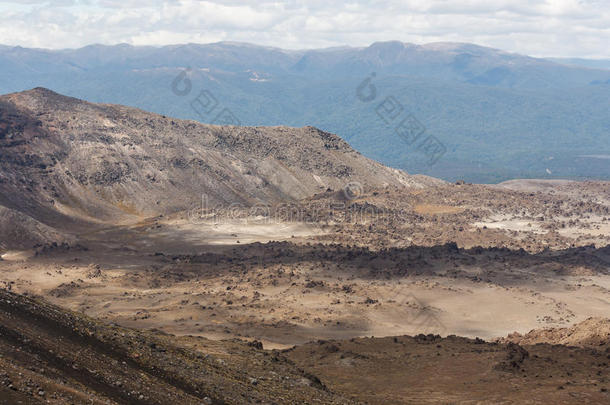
{"x":466,"y":260}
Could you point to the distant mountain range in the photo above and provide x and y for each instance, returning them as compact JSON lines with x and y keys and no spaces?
{"x":590,"y":63}
{"x":448,"y":110}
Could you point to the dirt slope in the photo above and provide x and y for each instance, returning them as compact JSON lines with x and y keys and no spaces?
{"x":20,"y":231}
{"x":48,"y":355}
{"x":428,"y":369}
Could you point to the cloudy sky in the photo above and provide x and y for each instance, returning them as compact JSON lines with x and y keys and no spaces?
{"x":572,"y":28}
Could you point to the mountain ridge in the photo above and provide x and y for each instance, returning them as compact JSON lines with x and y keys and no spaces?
{"x":438,"y":46}
{"x":71,"y":164}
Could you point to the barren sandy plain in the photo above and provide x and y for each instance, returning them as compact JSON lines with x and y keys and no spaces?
{"x":385,"y":263}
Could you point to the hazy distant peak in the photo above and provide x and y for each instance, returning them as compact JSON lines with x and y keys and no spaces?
{"x":456,"y":46}
{"x":246,"y":45}
{"x":390,"y":44}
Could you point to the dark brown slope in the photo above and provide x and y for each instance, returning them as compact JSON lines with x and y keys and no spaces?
{"x":455,"y":370}
{"x":67,"y":162}
{"x":48,"y":355}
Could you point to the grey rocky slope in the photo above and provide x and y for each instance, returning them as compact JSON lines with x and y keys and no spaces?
{"x":18,"y":230}
{"x":68,"y":163}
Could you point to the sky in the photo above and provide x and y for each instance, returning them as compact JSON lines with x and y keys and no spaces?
{"x":562,"y":28}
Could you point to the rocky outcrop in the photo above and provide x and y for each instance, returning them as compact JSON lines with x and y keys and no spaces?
{"x":592,"y":332}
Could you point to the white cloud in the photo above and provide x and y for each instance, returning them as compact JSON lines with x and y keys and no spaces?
{"x":537,"y":27}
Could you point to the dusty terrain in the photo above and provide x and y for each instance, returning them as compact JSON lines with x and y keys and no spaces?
{"x":349,"y":254}
{"x":422,"y":264}
{"x":48,"y":355}
{"x":428,"y":369}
